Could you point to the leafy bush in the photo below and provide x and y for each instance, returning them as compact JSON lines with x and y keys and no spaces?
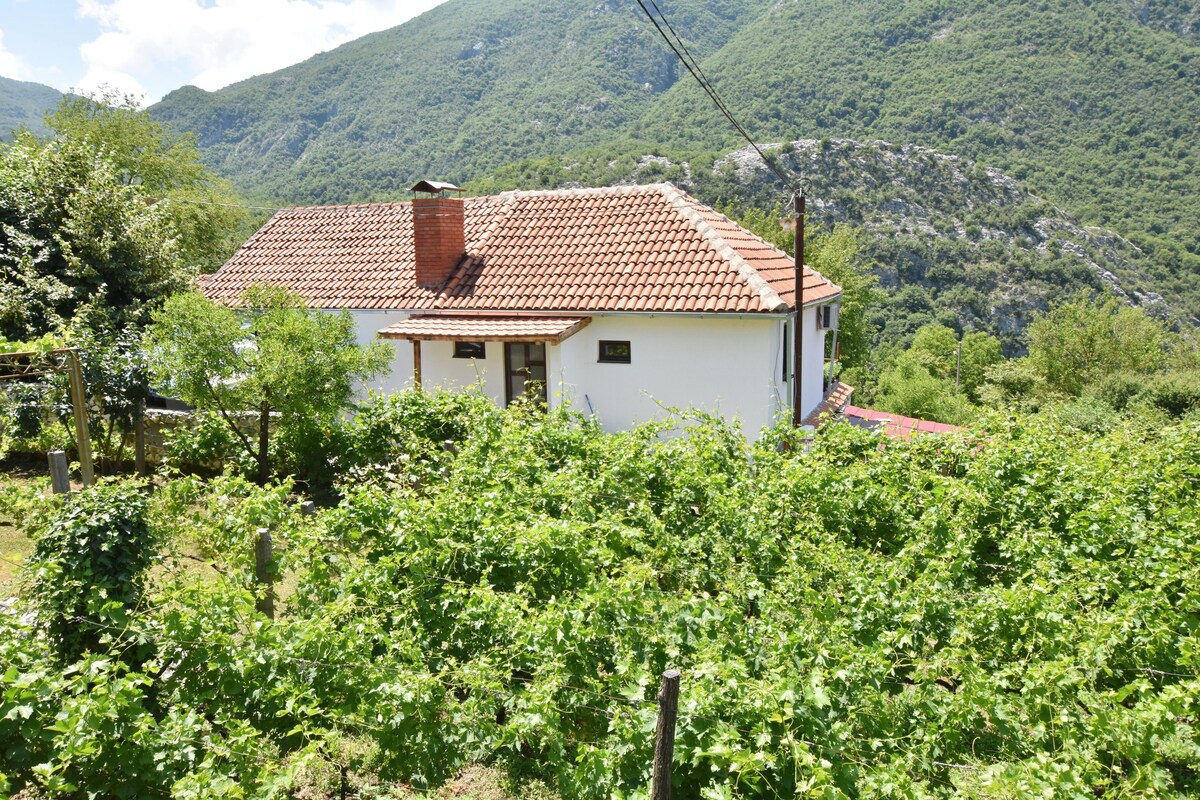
{"x":89,"y":565}
{"x":951,"y":616}
{"x":1174,"y":393}
{"x":22,"y":501}
{"x":205,"y":441}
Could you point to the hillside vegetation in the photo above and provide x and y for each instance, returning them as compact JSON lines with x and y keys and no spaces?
{"x":25,"y":104}
{"x":470,"y":85}
{"x":1090,"y":104}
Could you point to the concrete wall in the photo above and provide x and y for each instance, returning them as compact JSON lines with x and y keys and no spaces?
{"x":366,"y":325}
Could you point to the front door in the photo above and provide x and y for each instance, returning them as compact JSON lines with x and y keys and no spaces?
{"x":525,"y":369}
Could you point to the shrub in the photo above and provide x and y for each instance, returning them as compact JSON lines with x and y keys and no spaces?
{"x":1175,"y":393}
{"x":89,"y":565}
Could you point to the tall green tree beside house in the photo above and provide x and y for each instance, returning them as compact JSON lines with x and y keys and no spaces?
{"x":206,"y":213}
{"x":99,"y":224}
{"x":73,"y":234}
{"x":272,"y":356}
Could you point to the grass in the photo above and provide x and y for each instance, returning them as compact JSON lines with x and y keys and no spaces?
{"x":18,"y":477}
{"x":15,"y":547}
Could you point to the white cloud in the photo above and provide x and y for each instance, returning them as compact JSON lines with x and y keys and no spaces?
{"x":153,"y":46}
{"x":10,"y":65}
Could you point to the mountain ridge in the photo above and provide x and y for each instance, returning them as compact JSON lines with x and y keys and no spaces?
{"x":25,"y":104}
{"x":1091,"y":106}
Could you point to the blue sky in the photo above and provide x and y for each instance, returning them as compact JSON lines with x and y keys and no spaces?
{"x":149,"y":47}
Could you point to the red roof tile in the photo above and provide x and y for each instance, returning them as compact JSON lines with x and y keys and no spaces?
{"x":895,"y":426}
{"x":630,"y":248}
{"x":450,"y":327}
{"x":835,"y":401}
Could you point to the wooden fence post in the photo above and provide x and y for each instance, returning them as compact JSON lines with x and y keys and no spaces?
{"x":664,"y":737}
{"x":139,"y":439}
{"x":79,"y":403}
{"x":60,"y":476}
{"x":262,"y":573}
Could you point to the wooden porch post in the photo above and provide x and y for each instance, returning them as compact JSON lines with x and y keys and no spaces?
{"x":416,"y":363}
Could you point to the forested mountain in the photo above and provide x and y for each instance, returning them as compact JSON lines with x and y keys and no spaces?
{"x":1091,"y":105}
{"x":24,"y":103}
{"x":468,"y":86}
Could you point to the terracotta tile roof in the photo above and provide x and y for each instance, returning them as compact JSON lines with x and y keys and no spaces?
{"x":449,"y":327}
{"x":631,"y":248}
{"x":895,"y":426}
{"x":835,"y":401}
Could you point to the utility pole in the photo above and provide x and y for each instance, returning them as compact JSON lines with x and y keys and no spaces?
{"x":958,"y":369}
{"x":798,"y":333}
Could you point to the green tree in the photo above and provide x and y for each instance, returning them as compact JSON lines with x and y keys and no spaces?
{"x":908,"y":387}
{"x":73,"y":234}
{"x":937,"y":348}
{"x":1085,"y":339}
{"x":272,"y":355}
{"x":204,"y":210}
{"x":1012,"y":385}
{"x":980,"y":351}
{"x":838,"y":255}
{"x":113,"y":212}
{"x":99,"y":224}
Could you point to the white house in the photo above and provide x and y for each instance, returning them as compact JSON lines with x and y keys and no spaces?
{"x":620,"y":302}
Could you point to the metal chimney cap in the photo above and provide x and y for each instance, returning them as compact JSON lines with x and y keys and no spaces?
{"x":435,"y":187}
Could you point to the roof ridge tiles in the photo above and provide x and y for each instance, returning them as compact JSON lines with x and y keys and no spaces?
{"x":766,"y":295}
{"x":586,"y":191}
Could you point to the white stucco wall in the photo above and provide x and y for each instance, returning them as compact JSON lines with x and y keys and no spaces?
{"x":814,"y":362}
{"x":727,"y":365}
{"x":366,"y":325}
{"x":441,"y":370}
{"x":724,"y":365}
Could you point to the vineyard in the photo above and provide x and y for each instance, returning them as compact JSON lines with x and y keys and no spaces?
{"x":999,"y":615}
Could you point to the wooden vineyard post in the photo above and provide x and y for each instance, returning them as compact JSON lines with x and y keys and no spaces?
{"x":262,"y":573}
{"x":79,"y":401}
{"x":139,"y":440}
{"x":664,"y":737}
{"x":60,"y":477}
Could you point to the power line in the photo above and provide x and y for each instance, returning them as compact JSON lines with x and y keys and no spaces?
{"x":211,"y":203}
{"x":694,"y":68}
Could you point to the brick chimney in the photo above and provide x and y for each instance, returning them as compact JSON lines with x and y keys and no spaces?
{"x":438,"y":238}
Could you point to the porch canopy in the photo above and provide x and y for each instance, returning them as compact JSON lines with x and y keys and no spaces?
{"x":462,"y":328}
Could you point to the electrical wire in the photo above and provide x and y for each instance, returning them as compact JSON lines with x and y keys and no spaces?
{"x":694,"y":69}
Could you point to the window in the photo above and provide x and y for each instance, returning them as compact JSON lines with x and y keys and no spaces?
{"x":469,"y":350}
{"x":614,"y":352}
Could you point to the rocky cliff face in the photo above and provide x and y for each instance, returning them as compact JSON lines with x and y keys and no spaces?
{"x":952,"y":241}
